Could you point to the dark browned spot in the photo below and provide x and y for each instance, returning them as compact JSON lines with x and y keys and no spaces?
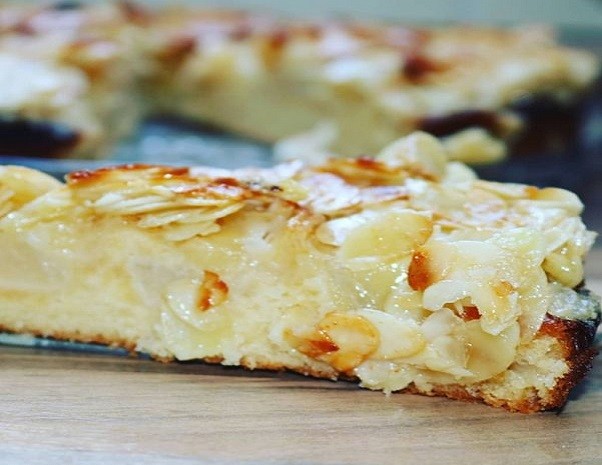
{"x":272,"y":46}
{"x":577,"y":336}
{"x":369,"y":163}
{"x":470,"y":313}
{"x":577,"y":341}
{"x":417,"y":68}
{"x":36,"y":138}
{"x":231,"y":182}
{"x":450,"y":124}
{"x":278,"y":38}
{"x":176,"y":171}
{"x":212,"y":291}
{"x":317,"y":345}
{"x":80,"y":176}
{"x":177,"y":50}
{"x":419,"y":273}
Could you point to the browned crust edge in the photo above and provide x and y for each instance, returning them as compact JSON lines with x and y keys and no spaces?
{"x":75,"y":336}
{"x":576,"y":339}
{"x":130,"y":346}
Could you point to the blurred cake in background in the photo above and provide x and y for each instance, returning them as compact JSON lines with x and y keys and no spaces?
{"x":77,"y":79}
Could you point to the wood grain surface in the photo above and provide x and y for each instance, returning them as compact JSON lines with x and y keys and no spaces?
{"x":66,"y":407}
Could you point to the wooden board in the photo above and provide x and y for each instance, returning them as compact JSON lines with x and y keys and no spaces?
{"x":65,"y":407}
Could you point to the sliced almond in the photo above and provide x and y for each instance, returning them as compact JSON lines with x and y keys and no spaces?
{"x":390,"y":234}
{"x":489,"y":355}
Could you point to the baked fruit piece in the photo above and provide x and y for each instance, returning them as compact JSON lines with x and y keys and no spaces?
{"x":80,"y":78}
{"x":403,"y":272}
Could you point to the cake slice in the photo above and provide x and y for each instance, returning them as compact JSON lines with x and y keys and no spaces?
{"x":403,"y":272}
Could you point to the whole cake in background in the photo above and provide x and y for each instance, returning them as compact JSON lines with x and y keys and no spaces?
{"x":74,"y":80}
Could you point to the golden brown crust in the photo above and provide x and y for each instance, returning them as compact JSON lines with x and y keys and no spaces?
{"x":576,"y":339}
{"x":74,"y":336}
{"x":530,"y":403}
{"x":130,"y":346}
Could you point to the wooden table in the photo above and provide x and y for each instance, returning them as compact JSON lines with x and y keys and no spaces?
{"x":64,"y":407}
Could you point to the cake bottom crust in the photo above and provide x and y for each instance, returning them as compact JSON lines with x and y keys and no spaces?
{"x":574,"y":338}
